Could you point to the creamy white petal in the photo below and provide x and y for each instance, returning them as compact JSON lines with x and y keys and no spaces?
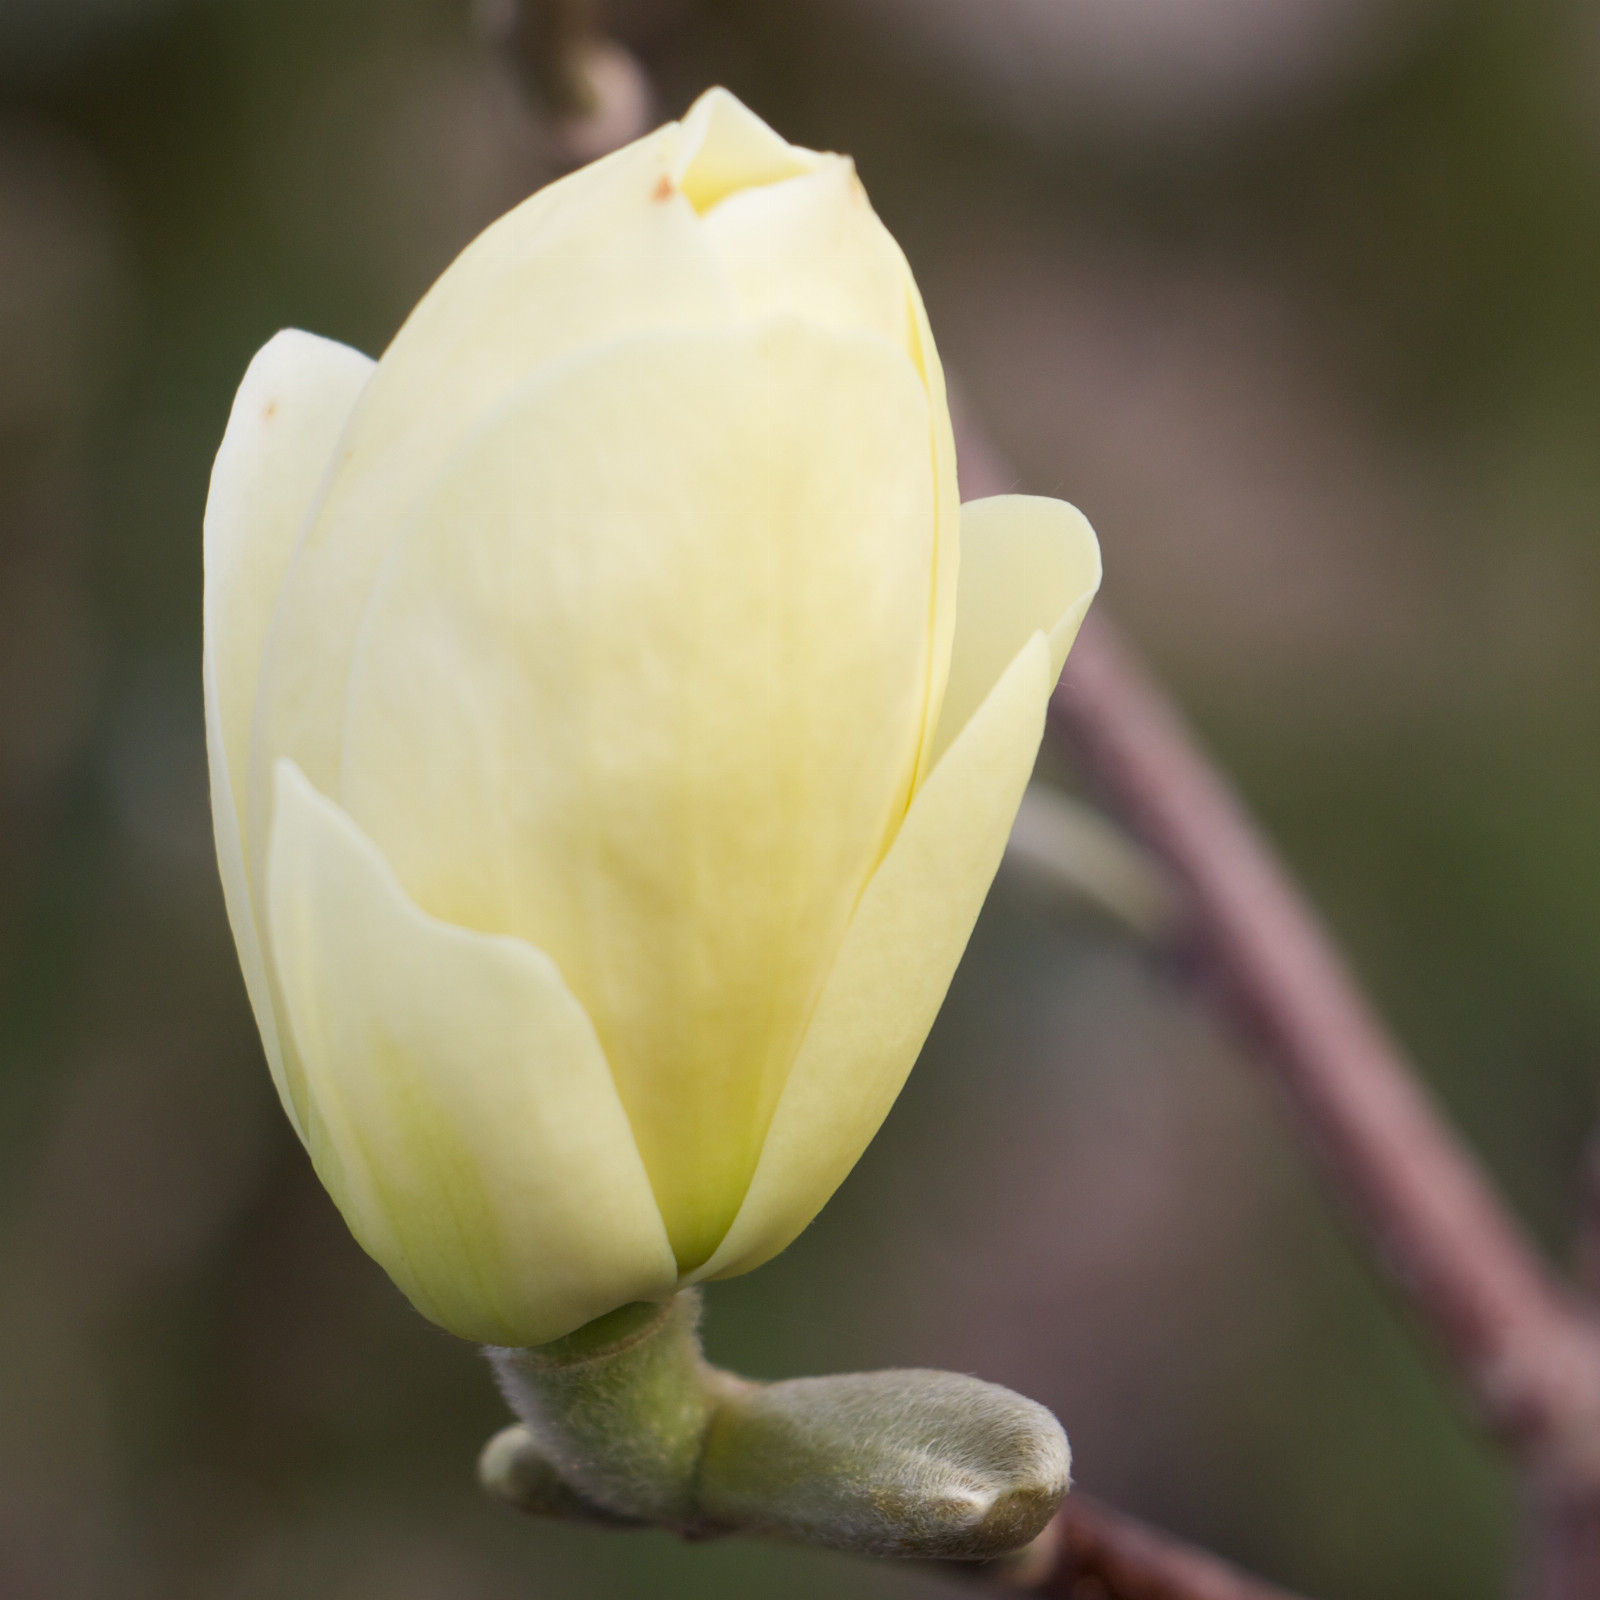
{"x":947,"y":557}
{"x":794,"y":230}
{"x":610,"y":251}
{"x":813,"y":247}
{"x":895,"y":965}
{"x":655,"y":708}
{"x":280,"y":443}
{"x":464,"y":1118}
{"x":723,"y":146}
{"x":1026,"y":563}
{"x":1029,"y":568}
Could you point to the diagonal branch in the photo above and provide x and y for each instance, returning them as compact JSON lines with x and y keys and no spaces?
{"x":1092,"y":1551}
{"x":1527,"y":1355}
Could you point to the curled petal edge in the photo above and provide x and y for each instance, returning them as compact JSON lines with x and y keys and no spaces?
{"x":1029,"y":569}
{"x":893,"y":968}
{"x":464,"y":1118}
{"x":281,"y":439}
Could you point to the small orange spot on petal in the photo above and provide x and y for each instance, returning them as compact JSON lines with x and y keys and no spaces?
{"x":270,"y":412}
{"x":664,"y":188}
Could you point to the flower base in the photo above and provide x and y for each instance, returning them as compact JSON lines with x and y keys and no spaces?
{"x":625,"y":1424}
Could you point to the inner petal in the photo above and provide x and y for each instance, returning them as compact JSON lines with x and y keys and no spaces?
{"x":643,"y":684}
{"x":598,"y":256}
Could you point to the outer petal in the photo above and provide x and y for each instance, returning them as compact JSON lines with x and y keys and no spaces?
{"x":894,"y":968}
{"x":794,"y":232}
{"x":947,"y":557}
{"x":813,"y":247}
{"x":466,"y":1123}
{"x":279,"y":445}
{"x":1026,"y":563}
{"x":1029,"y":568}
{"x":656,"y":710}
{"x":610,"y":251}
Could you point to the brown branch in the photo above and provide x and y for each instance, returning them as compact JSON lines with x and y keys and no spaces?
{"x":591,"y":94}
{"x":1527,"y":1354}
{"x":550,"y":41}
{"x":1587,"y":1261}
{"x":1091,"y":1552}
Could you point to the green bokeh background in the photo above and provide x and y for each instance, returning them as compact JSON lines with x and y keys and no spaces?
{"x":1321,"y":359}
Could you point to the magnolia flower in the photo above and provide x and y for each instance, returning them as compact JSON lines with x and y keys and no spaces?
{"x":615,"y":723}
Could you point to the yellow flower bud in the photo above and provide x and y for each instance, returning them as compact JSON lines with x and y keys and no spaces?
{"x":608,"y":764}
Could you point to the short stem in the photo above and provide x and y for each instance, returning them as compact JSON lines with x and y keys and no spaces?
{"x":625,"y":1421}
{"x":634,"y":1379}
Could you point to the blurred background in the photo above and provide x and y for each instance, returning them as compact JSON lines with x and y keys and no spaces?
{"x":1298,"y":299}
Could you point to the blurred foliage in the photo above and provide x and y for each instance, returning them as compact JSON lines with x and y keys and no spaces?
{"x":1326,"y":373}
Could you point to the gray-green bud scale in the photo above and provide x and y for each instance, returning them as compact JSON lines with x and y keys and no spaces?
{"x":626,"y":1424}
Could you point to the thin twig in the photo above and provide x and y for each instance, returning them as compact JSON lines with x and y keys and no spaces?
{"x":591,"y":94}
{"x":1587,"y":1261}
{"x":1527,"y":1354}
{"x":1091,"y":1552}
{"x":550,"y":41}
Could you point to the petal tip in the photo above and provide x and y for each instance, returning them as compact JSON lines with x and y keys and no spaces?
{"x":723,"y":146}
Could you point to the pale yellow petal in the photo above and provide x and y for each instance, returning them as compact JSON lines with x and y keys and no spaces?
{"x":655,"y":708}
{"x":612,"y":250}
{"x":280,"y":442}
{"x":464,"y":1118}
{"x":947,"y":558}
{"x":894,"y":968}
{"x":1026,"y":563}
{"x":812,"y":246}
{"x":723,"y":146}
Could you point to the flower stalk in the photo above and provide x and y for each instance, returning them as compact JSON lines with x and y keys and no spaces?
{"x":625,"y":1423}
